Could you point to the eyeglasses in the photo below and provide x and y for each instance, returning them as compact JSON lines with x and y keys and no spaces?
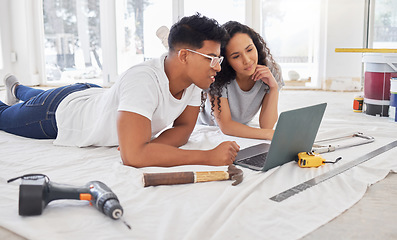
{"x":214,"y":60}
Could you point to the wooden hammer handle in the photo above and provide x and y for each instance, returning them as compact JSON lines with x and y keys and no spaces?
{"x":211,"y":176}
{"x":155,"y":179}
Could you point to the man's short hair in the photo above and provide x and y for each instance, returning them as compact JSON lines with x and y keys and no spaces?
{"x":194,"y":30}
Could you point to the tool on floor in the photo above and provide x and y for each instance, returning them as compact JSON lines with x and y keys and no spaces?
{"x":358,"y":103}
{"x":323,"y":177}
{"x":312,"y":159}
{"x":36,"y":191}
{"x":325,"y":145}
{"x":172,"y":178}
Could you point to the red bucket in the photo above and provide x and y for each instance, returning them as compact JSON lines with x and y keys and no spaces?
{"x":379,"y":69}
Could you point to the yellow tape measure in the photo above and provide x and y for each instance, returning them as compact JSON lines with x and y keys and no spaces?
{"x":312,"y":159}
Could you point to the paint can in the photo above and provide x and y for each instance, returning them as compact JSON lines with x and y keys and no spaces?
{"x":379,"y":69}
{"x":393,"y":100}
{"x":358,"y":104}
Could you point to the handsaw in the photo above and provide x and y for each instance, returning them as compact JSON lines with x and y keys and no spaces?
{"x":325,"y":145}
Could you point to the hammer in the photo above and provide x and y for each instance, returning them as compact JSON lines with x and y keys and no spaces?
{"x":172,"y":178}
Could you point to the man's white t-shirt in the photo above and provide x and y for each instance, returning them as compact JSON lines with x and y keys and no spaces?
{"x":89,"y":117}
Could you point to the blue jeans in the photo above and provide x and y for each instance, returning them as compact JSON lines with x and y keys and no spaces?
{"x":35,"y":117}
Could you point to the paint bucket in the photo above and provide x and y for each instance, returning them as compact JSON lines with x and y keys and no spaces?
{"x":393,"y":99}
{"x":379,"y":69}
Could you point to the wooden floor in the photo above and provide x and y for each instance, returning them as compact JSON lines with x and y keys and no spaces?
{"x":373,"y":217}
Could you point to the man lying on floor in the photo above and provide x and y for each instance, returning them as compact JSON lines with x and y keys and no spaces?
{"x":143,"y":102}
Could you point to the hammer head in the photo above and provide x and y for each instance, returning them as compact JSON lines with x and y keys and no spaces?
{"x":235,"y":174}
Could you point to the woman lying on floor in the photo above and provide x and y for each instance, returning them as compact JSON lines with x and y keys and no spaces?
{"x":249,"y":82}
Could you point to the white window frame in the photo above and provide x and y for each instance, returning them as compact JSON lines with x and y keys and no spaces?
{"x":108,"y":39}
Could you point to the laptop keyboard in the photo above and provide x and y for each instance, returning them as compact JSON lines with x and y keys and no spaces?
{"x":257,"y":161}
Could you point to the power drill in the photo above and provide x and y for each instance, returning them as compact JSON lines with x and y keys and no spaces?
{"x":36,"y":191}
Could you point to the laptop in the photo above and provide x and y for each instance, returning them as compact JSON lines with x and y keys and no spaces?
{"x":295,"y":132}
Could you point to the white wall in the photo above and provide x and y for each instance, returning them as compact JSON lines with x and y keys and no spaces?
{"x":344,"y":29}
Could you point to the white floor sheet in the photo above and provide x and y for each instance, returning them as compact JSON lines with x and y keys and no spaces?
{"x":214,"y":210}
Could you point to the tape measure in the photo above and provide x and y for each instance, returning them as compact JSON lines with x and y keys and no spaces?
{"x":323,"y":177}
{"x":312,"y":159}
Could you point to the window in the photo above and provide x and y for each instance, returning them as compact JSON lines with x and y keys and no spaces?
{"x":72,"y":40}
{"x":73,"y":44}
{"x":384,"y":24}
{"x":290,"y":29}
{"x":233,"y":10}
{"x":136,"y":30}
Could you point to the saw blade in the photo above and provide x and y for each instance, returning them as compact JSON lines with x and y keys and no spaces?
{"x":323,"y":177}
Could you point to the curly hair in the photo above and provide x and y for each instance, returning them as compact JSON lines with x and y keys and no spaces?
{"x":194,"y":30}
{"x":227,"y":74}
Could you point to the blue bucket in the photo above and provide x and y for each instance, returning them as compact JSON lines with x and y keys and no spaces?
{"x":393,"y":99}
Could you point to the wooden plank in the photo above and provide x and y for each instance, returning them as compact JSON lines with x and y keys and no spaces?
{"x":367,"y":50}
